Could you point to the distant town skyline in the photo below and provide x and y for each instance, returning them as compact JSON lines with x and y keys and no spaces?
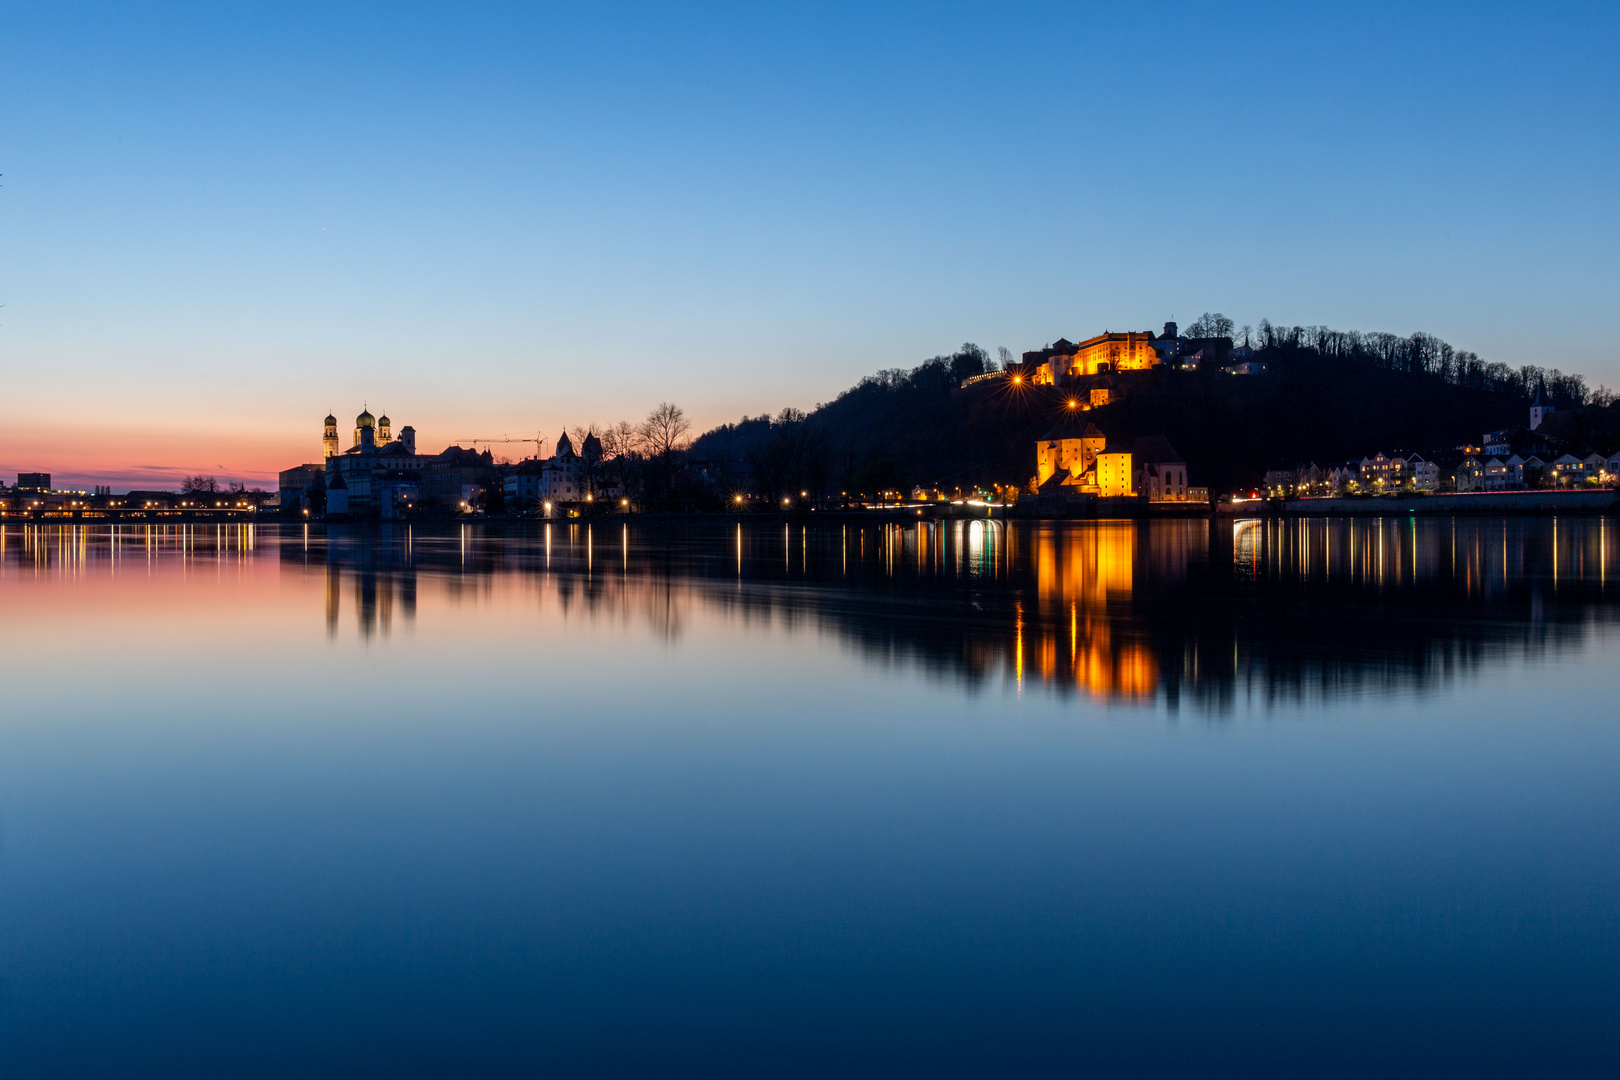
{"x":217,"y":229}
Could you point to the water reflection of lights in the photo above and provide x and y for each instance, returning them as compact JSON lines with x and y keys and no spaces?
{"x":1112,"y":609}
{"x":69,"y":550}
{"x":1485,"y":556}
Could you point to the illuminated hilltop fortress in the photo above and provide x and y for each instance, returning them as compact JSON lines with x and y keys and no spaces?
{"x":1064,"y":363}
{"x":1064,"y":360}
{"x":1075,"y":458}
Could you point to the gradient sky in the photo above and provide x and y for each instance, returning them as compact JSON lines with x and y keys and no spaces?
{"x":484,"y":219}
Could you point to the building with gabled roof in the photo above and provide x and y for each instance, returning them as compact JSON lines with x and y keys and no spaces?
{"x":1070,"y":447}
{"x":1160,"y":474}
{"x":1077,"y":456}
{"x":337,"y":496}
{"x":564,"y":478}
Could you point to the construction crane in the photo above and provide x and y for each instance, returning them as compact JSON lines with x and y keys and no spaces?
{"x":539,"y":441}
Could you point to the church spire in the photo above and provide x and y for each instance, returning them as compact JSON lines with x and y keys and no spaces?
{"x":1539,"y":408}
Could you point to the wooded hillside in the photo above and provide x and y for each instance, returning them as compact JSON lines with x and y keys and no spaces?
{"x":1324,"y":396}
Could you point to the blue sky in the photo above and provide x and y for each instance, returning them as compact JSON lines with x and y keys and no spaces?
{"x":218,"y":224}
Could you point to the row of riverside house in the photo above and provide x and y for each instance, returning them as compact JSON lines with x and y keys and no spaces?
{"x":1511,"y":459}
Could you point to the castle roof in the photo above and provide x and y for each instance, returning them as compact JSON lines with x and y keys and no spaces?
{"x":1113,"y":335}
{"x":1155,"y":449}
{"x":1070,"y":427}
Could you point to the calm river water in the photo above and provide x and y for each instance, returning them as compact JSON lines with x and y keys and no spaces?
{"x":1333,"y":798}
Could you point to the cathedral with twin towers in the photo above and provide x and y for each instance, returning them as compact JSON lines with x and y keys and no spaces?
{"x":378,"y":475}
{"x":372,"y":436}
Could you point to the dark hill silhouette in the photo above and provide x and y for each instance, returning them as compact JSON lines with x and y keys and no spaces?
{"x":1323,"y":396}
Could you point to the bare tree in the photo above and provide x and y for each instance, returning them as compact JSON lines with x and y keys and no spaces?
{"x":199,"y":485}
{"x":663,"y":434}
{"x":664,"y":430}
{"x":621,"y":450}
{"x":620,"y":440}
{"x":1211,"y":325}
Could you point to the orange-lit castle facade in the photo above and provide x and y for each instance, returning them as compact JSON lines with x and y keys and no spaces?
{"x":1068,"y":448}
{"x":1063,"y":360}
{"x":1078,"y":458}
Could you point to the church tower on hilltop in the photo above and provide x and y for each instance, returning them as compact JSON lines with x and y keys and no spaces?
{"x":1540,"y":407}
{"x":329,"y":440}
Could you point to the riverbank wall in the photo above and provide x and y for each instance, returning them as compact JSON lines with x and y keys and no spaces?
{"x":1585,"y":501}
